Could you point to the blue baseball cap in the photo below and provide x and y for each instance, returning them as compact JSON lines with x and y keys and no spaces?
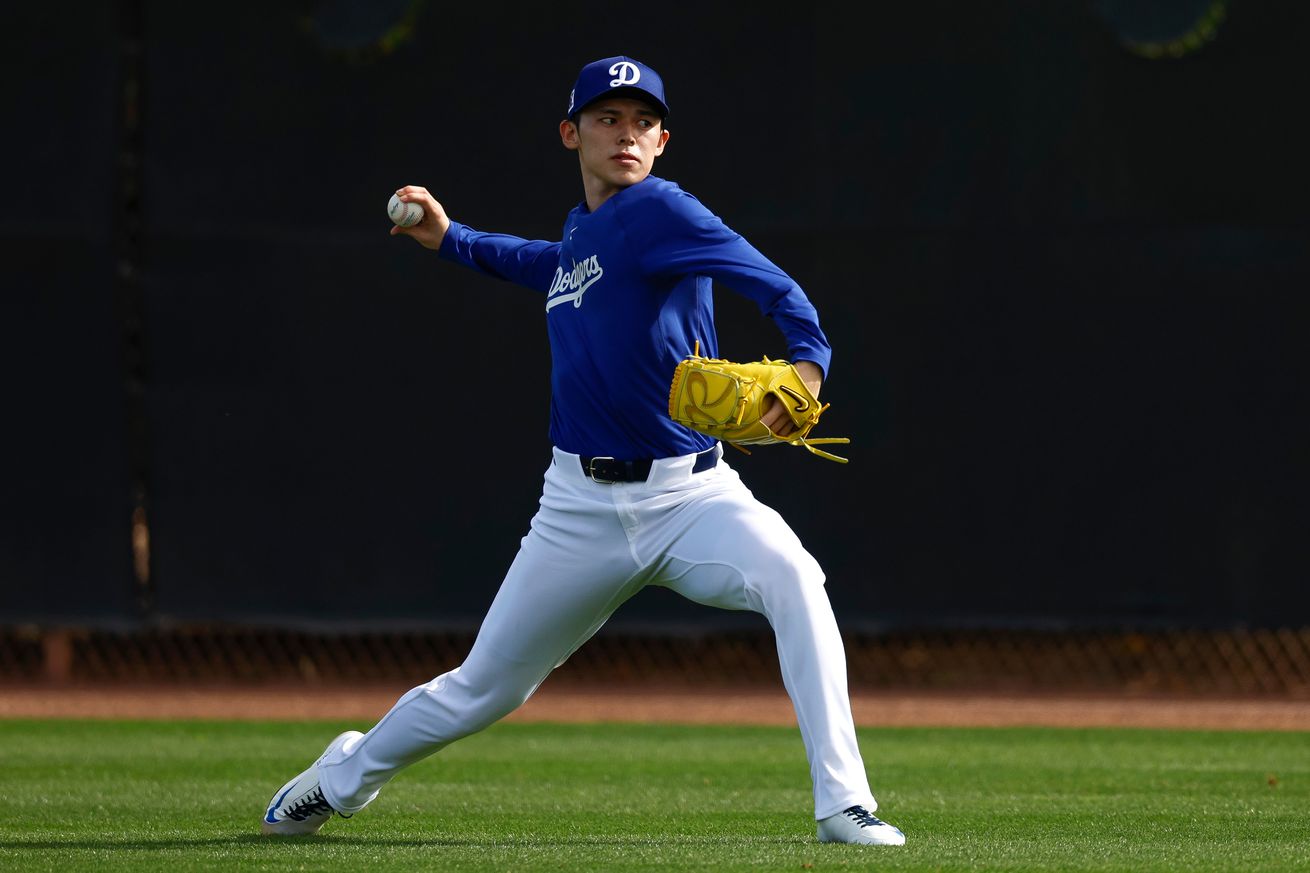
{"x":614,"y":76}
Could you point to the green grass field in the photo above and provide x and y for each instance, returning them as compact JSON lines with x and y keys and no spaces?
{"x":109,"y":796}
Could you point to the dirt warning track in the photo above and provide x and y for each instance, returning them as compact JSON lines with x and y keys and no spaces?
{"x":669,"y":705}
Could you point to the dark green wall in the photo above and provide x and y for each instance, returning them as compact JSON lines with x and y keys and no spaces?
{"x":1063,"y":283}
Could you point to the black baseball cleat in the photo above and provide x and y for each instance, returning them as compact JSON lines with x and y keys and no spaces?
{"x":299,"y":807}
{"x":857,"y":825}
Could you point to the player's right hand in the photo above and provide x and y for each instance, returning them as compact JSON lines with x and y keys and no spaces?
{"x":431,"y":230}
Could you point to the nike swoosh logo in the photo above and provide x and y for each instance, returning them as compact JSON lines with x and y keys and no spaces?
{"x":269,"y":818}
{"x":801,"y":403}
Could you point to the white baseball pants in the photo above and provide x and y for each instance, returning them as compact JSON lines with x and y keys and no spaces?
{"x":590,"y":548}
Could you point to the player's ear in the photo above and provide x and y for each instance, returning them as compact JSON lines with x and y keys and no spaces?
{"x":664,"y":140}
{"x":568,"y":134}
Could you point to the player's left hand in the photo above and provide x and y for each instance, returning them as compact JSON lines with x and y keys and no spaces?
{"x":774,"y":416}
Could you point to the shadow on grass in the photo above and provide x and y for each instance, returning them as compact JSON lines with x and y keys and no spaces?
{"x":527,"y":841}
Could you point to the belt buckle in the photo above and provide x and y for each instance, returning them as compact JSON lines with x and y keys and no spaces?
{"x":591,"y":471}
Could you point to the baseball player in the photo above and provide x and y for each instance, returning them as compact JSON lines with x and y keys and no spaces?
{"x":630,"y":497}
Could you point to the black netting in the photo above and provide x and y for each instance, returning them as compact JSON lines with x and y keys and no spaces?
{"x":1239,"y":662}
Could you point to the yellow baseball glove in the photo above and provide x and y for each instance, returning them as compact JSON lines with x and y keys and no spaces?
{"x":726,"y":399}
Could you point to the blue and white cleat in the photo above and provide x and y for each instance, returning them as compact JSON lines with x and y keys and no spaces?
{"x":299,"y":807}
{"x":858,"y":825}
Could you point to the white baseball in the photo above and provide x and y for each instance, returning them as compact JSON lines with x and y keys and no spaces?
{"x":402,"y":213}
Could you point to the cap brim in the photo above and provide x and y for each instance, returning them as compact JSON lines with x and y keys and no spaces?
{"x":635,"y":93}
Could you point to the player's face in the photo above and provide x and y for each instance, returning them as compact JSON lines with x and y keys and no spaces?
{"x":617,"y":140}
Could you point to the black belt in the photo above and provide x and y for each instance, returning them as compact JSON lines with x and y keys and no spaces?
{"x":607,"y":471}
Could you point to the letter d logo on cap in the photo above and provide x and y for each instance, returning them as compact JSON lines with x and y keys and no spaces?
{"x":624,"y":73}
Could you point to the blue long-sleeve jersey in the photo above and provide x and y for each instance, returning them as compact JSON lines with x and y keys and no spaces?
{"x":628,"y":295}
